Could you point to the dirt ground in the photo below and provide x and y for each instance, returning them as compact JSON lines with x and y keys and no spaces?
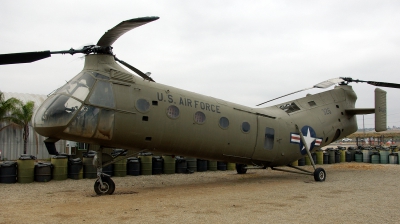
{"x":352,"y":193}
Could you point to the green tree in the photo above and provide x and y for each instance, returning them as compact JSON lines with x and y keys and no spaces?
{"x":6,"y":108}
{"x":21,"y":116}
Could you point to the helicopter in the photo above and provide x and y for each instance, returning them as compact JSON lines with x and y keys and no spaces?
{"x":107,"y":106}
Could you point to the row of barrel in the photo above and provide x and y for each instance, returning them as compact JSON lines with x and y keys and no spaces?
{"x":341,"y":154}
{"x":61,"y":167}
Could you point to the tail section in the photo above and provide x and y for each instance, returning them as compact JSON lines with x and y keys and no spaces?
{"x":380,"y":110}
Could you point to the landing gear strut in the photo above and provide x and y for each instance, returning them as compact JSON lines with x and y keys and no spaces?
{"x":319,"y":173}
{"x":104,"y":184}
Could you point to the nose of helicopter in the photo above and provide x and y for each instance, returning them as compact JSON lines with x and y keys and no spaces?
{"x":54,"y":114}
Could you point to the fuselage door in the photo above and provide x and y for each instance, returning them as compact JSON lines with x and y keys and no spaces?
{"x":268,"y":140}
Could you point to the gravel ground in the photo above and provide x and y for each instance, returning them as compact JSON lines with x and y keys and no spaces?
{"x":352,"y":193}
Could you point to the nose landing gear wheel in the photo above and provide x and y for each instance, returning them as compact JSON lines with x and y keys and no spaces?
{"x":319,"y":174}
{"x":108,"y":186}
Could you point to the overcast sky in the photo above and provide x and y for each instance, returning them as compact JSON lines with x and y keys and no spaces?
{"x":245,"y":52}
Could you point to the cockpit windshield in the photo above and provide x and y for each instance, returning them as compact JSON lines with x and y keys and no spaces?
{"x":66,"y":107}
{"x":79,"y":86}
{"x":56,"y":111}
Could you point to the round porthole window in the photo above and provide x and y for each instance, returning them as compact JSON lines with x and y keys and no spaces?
{"x":173,"y":112}
{"x":224,"y":122}
{"x":142,"y":105}
{"x":245,"y":127}
{"x":199,"y":117}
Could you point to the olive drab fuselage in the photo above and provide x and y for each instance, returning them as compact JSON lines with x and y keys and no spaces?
{"x":106,"y":105}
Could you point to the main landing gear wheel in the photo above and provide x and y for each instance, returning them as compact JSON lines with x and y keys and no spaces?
{"x":319,"y":174}
{"x":108,"y":186}
{"x":241,"y":168}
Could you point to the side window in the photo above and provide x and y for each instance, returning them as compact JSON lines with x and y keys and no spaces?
{"x":224,"y":122}
{"x":199,"y":117}
{"x":269,"y":138}
{"x":142,"y":105}
{"x":289,"y":107}
{"x":102,"y":95}
{"x":245,"y":127}
{"x":173,"y":112}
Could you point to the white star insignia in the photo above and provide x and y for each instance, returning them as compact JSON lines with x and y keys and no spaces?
{"x":308,"y":139}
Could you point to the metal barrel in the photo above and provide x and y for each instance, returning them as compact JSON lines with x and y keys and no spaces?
{"x":320,"y":157}
{"x":43,"y":172}
{"x":212,"y":165}
{"x":326,"y":157}
{"x":133,"y":166}
{"x":60,"y":167}
{"x":146,"y":163}
{"x":348,"y":156}
{"x":169,"y":164}
{"x":157,"y":165}
{"x":8,"y":172}
{"x":202,"y":165}
{"x":337,"y":156}
{"x":75,"y":168}
{"x":375,"y":158}
{"x":180,"y":165}
{"x":231,"y":166}
{"x":366,"y":155}
{"x":301,"y":162}
{"x":89,"y":170}
{"x":191,"y":163}
{"x":120,"y":167}
{"x":393,"y":158}
{"x":332,"y":155}
{"x":221,"y":166}
{"x":358,"y":156}
{"x":342,"y":155}
{"x":26,"y":170}
{"x":307,"y":160}
{"x":384,"y":158}
{"x":352,"y":151}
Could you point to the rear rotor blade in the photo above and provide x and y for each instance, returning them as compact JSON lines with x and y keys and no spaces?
{"x":384,"y":84}
{"x":322,"y":85}
{"x":374,"y":83}
{"x":137,"y":71}
{"x":113,"y":34}
{"x":25,"y":57}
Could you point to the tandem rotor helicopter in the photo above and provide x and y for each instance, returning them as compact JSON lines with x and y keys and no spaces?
{"x":108,"y":107}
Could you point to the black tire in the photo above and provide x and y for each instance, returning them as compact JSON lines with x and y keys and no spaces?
{"x":319,"y":174}
{"x":241,"y":168}
{"x":109,"y":186}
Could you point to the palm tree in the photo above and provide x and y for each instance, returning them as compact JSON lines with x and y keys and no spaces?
{"x":6,"y":107}
{"x":21,"y":116}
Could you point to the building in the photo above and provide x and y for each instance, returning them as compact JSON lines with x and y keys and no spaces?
{"x":12,"y":142}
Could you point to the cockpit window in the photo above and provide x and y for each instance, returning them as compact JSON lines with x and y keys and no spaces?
{"x":79,"y":86}
{"x":85,"y":123}
{"x":289,"y":107}
{"x":102,"y":95}
{"x":56,"y":111}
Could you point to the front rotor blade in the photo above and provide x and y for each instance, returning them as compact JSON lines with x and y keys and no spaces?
{"x":328,"y":83}
{"x":113,"y":34}
{"x":25,"y":57}
{"x":384,"y":84}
